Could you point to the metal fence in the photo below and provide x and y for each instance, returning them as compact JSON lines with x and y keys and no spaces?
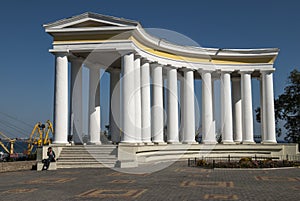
{"x":213,"y":160}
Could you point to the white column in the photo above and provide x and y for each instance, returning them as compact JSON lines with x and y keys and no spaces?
{"x":61,"y":100}
{"x":262,"y":127}
{"x":213,"y":105}
{"x":146,"y":103}
{"x":94,"y":106}
{"x":181,"y":131}
{"x":226,"y":108}
{"x":76,"y":101}
{"x":268,"y":107}
{"x":137,"y":99}
{"x":237,"y":110}
{"x":189,"y":107}
{"x":173,"y":135}
{"x":114,"y":115}
{"x":128,"y":100}
{"x":247,"y":113}
{"x":208,"y":136}
{"x":157,"y":104}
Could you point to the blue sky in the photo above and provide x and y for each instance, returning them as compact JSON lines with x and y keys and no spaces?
{"x":26,"y":72}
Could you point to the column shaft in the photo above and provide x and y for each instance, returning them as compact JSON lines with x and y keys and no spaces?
{"x":157,"y":105}
{"x":189,"y":107}
{"x":268,"y":107}
{"x":94,"y":106}
{"x":237,"y":110}
{"x":208,"y":136}
{"x":181,"y":131}
{"x":172,"y":106}
{"x":61,"y":100}
{"x":146,"y":103}
{"x":137,"y":99}
{"x":247,"y":112}
{"x":128,"y":101}
{"x":226,"y":108}
{"x":76,"y":100}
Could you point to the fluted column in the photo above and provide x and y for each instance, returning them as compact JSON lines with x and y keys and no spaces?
{"x":146,"y":103}
{"x":61,"y":99}
{"x":114,"y":115}
{"x":226,"y":108}
{"x":181,"y":131}
{"x":173,"y":135}
{"x":128,"y":100}
{"x":247,"y":113}
{"x":237,"y":110}
{"x":189,"y":107}
{"x":94,"y":106}
{"x":76,"y":100}
{"x":208,"y":136}
{"x":137,"y":98}
{"x":268,"y":108}
{"x":157,"y":104}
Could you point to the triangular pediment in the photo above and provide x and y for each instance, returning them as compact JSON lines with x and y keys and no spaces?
{"x":90,"y":23}
{"x":90,"y":20}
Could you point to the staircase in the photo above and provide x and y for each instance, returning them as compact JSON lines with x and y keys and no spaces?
{"x":88,"y":156}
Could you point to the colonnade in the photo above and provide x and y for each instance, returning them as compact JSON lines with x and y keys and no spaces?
{"x":137,"y":104}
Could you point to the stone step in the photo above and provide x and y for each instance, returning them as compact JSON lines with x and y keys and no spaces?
{"x":84,"y":165}
{"x":90,"y":156}
{"x":88,"y":159}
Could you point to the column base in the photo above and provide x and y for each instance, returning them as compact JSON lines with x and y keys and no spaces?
{"x":159,"y":143}
{"x":128,"y":143}
{"x":238,"y":142}
{"x":190,"y":142}
{"x":228,"y":142}
{"x":209,"y":142}
{"x":94,"y":143}
{"x":173,"y":142}
{"x":148,"y":143}
{"x":268,"y":142}
{"x":248,"y":142}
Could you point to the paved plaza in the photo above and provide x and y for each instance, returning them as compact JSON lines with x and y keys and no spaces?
{"x":176,"y":182}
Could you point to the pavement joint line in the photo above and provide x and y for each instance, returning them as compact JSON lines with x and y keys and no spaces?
{"x":122,"y":181}
{"x":20,"y":190}
{"x":220,"y":197}
{"x":112,"y":193}
{"x":49,"y":181}
{"x":207,"y":184}
{"x":273,"y":178}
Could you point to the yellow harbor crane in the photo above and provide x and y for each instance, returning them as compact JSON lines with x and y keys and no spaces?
{"x":10,"y":151}
{"x":39,"y":136}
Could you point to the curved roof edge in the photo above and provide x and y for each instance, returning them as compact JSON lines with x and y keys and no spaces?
{"x":149,"y":41}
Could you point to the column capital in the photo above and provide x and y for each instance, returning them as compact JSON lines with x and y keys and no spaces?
{"x":245,"y":71}
{"x":60,"y":52}
{"x":201,"y":70}
{"x":267,"y":71}
{"x":226,"y":70}
{"x":155,"y":64}
{"x":185,"y":69}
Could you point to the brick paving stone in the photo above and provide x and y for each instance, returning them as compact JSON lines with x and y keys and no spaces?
{"x":166,"y":184}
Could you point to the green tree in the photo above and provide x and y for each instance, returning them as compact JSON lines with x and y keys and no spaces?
{"x":287,"y":109}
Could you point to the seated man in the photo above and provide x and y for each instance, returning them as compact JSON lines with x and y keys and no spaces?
{"x":51,"y":158}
